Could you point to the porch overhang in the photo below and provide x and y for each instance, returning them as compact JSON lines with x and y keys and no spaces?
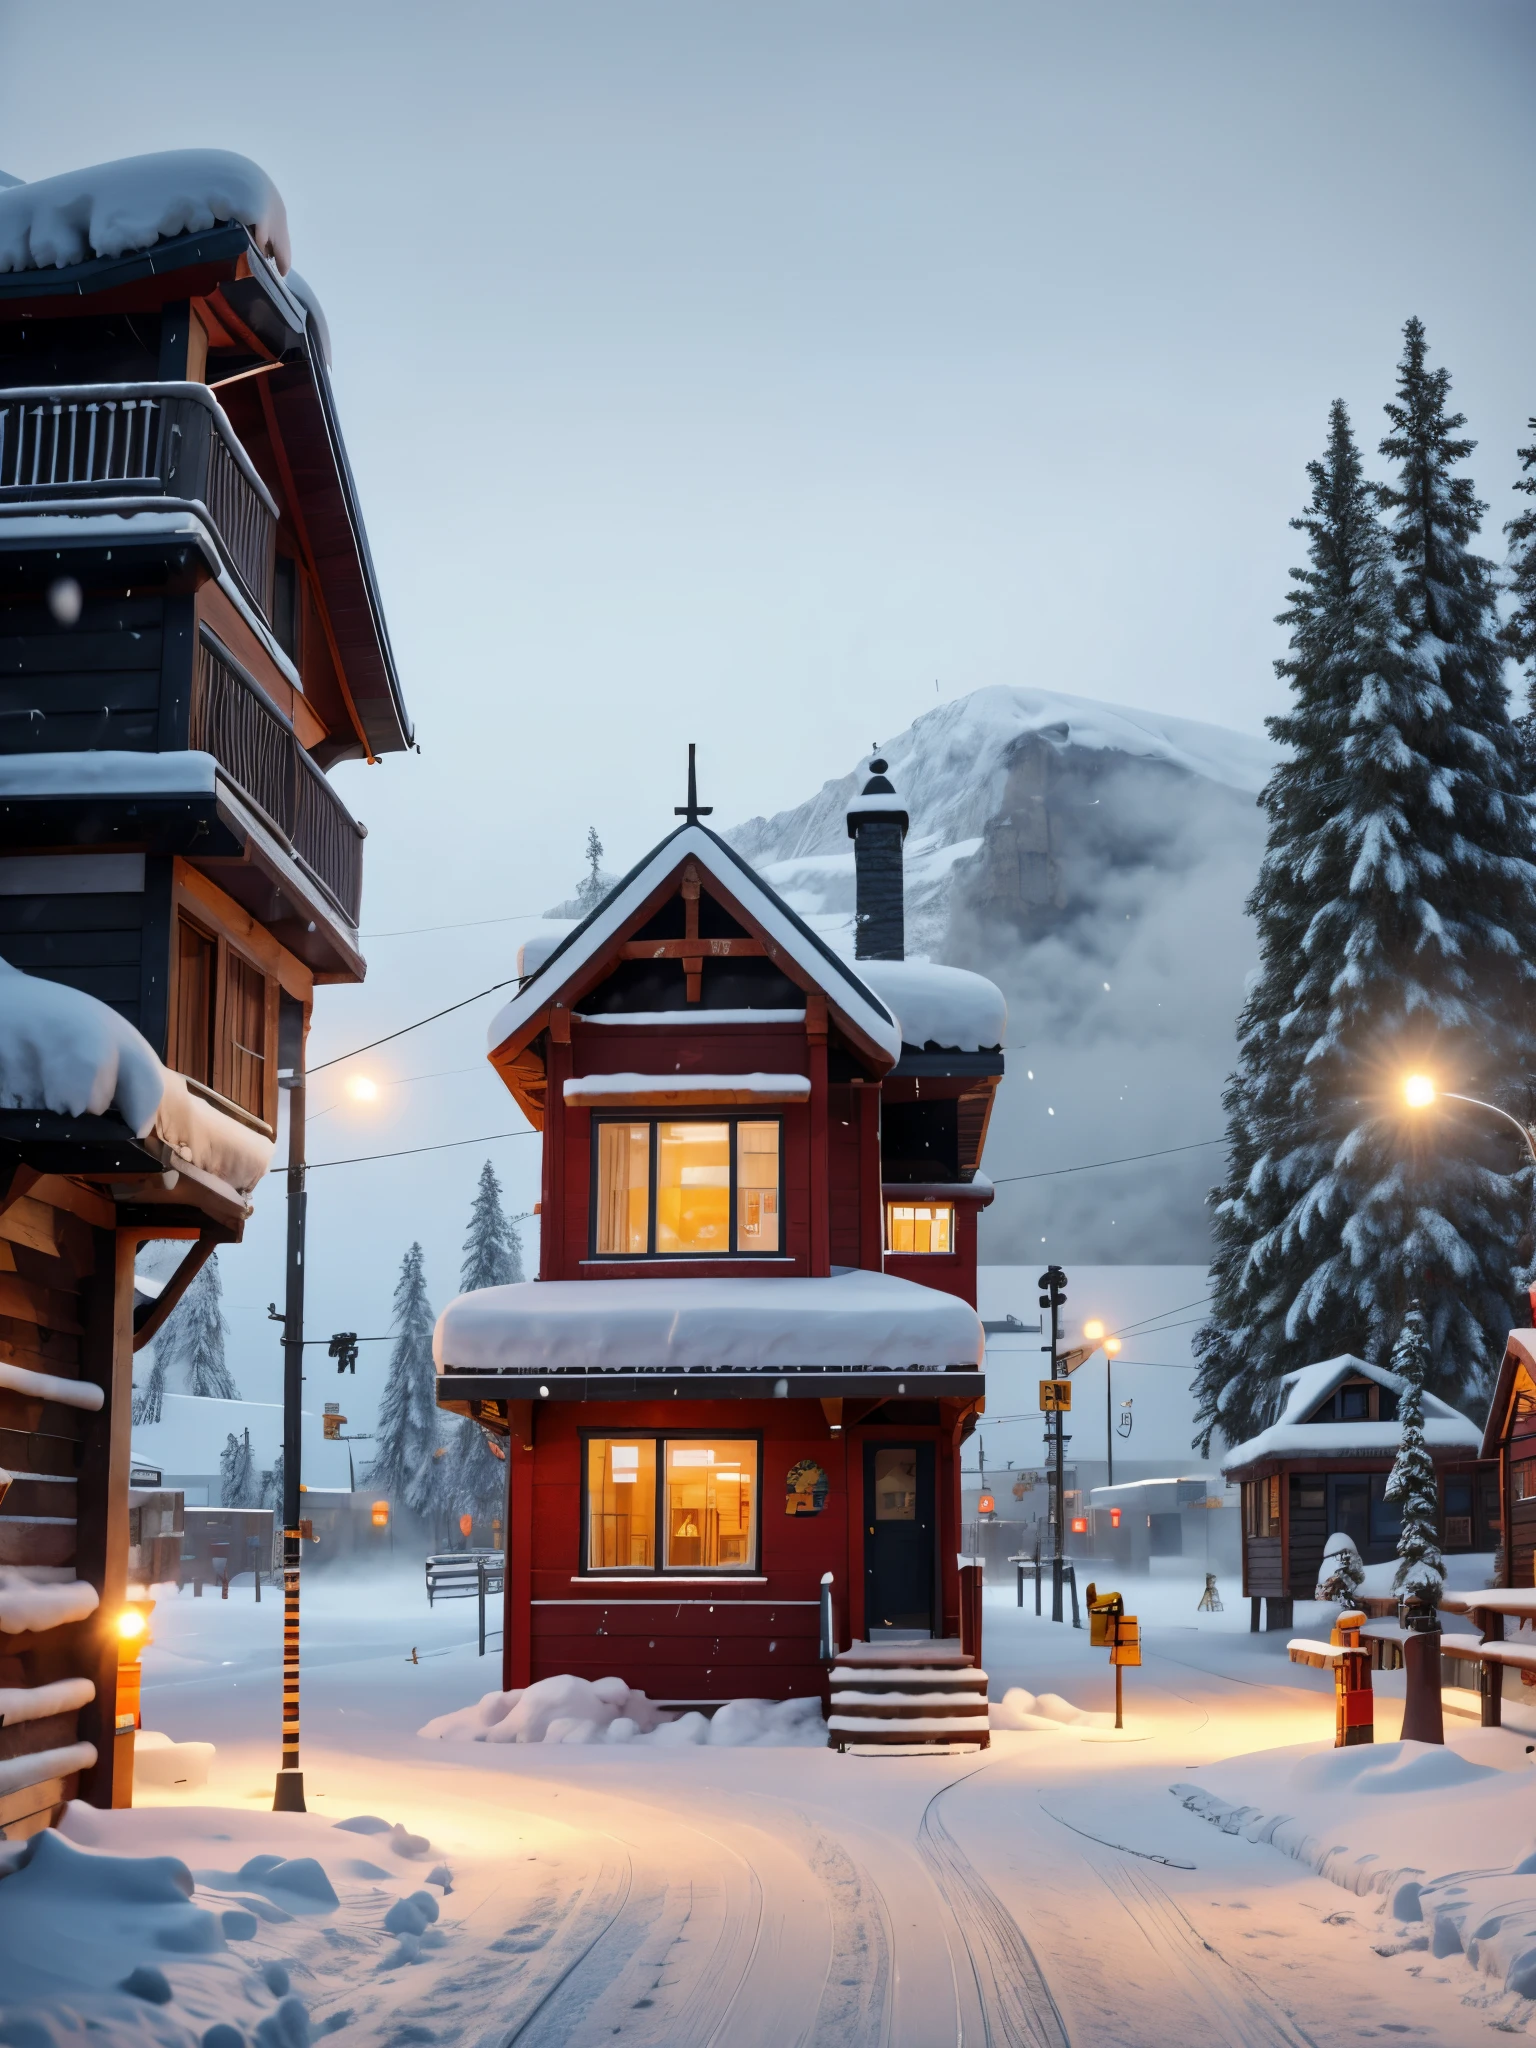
{"x":851,"y":1333}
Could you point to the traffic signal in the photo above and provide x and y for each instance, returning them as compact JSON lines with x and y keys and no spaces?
{"x":343,"y":1348}
{"x":1053,"y":1287}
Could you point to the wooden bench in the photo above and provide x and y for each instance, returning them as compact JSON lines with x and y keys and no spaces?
{"x":466,"y":1575}
{"x":1493,"y":1656}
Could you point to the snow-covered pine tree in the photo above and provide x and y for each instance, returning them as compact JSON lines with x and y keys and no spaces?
{"x":239,"y":1486}
{"x":493,"y":1251}
{"x":1420,"y":1572}
{"x":272,"y":1488}
{"x":593,"y":884}
{"x":1520,"y":627}
{"x":1396,"y":912}
{"x":194,"y":1336}
{"x":409,"y":1433}
{"x":149,"y":1399}
{"x":475,"y":1482}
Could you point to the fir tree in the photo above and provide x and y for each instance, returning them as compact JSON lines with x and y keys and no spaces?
{"x":1396,"y":912}
{"x":406,"y":1465}
{"x":272,"y":1489}
{"x":1420,"y":1567}
{"x":475,"y":1482}
{"x":238,"y":1484}
{"x":493,"y":1250}
{"x":593,"y":885}
{"x":193,"y":1338}
{"x":1520,"y":629}
{"x":149,"y":1399}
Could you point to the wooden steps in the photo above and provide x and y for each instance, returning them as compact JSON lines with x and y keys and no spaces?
{"x":917,"y":1694}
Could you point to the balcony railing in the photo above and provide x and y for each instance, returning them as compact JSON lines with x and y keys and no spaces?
{"x":115,"y":441}
{"x":235,"y":721}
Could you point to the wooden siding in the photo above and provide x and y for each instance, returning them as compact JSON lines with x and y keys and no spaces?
{"x":1308,"y":1527}
{"x":844,"y":1157}
{"x":1263,"y":1567}
{"x":95,"y":684}
{"x":92,"y":943}
{"x":65,"y":1309}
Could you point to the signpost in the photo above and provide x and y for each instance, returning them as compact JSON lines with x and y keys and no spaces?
{"x":1111,"y":1628}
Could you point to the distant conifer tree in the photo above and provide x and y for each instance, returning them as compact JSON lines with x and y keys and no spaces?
{"x":1396,"y":909}
{"x":239,"y":1486}
{"x":409,"y":1436}
{"x":272,"y":1489}
{"x":493,"y":1250}
{"x":194,"y":1337}
{"x":1411,"y":1483}
{"x":1520,"y":629}
{"x":593,"y":884}
{"x":149,"y":1399}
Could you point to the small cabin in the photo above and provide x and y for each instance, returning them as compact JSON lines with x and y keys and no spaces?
{"x":752,"y":1352}
{"x":1321,"y":1469}
{"x":1509,"y":1446}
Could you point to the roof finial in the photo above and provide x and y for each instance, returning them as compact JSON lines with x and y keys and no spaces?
{"x":693,"y":810}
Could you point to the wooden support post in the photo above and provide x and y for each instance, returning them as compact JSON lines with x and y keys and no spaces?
{"x":821,"y":1218}
{"x":517,"y":1581}
{"x":1490,"y":1677}
{"x":1423,"y":1718}
{"x":106,"y":1356}
{"x":872,"y":1214}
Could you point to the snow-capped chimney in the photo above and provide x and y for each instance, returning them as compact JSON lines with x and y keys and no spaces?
{"x":877,"y":825}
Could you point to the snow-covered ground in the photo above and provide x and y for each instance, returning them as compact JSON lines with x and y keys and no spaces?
{"x":1049,"y":1890}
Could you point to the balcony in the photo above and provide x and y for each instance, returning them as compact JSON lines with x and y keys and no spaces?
{"x":233,"y":718}
{"x":103,"y":444}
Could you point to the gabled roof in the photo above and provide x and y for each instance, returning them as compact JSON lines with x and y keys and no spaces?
{"x":859,"y":1010}
{"x":1519,"y":1355}
{"x":1292,"y":1435}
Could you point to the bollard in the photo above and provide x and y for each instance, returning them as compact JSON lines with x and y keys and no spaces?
{"x":1354,"y":1706}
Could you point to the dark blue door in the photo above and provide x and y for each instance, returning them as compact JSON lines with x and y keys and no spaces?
{"x":898,"y":1537}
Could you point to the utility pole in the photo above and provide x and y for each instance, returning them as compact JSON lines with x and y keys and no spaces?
{"x":1053,"y":1295}
{"x":289,"y":1794}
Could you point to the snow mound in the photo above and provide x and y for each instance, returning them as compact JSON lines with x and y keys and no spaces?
{"x":1388,"y":1767}
{"x":581,"y":1710}
{"x":1021,"y":1709}
{"x":115,"y":209}
{"x":157,"y":1760}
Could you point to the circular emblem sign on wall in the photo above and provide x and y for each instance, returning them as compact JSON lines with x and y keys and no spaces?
{"x":805,"y":1489}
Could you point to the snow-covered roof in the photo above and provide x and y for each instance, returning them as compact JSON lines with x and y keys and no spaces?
{"x":690,"y":1087}
{"x":1303,"y":1392}
{"x":850,"y":1321}
{"x":116,"y":208}
{"x":941,"y":1008}
{"x":844,"y":989}
{"x":64,"y":1051}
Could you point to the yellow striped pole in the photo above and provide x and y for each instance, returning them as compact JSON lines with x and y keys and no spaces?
{"x":289,"y":1794}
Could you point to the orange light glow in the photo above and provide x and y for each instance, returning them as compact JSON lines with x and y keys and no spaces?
{"x":381,"y":1514}
{"x":986,"y":1505}
{"x":1079,"y":1525}
{"x":1418,"y":1091}
{"x":1093,"y":1331}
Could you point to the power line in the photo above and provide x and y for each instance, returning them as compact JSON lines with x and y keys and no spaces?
{"x":358,"y":1050}
{"x":470,"y":924}
{"x":411,"y":1151}
{"x":1055,"y":1172}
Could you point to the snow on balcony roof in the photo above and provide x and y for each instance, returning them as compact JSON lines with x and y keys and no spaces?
{"x":945,"y":1009}
{"x":690,"y":1087}
{"x":844,"y":989}
{"x":851,"y":1321}
{"x":64,"y":1051}
{"x":1303,"y":1392}
{"x":118,"y":208}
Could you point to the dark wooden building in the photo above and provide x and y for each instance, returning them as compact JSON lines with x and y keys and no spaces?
{"x":190,"y":637}
{"x":1509,"y":1447}
{"x":726,"y":1382}
{"x":1321,"y":1468}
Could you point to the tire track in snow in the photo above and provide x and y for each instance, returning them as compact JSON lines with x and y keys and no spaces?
{"x":1242,"y":2012}
{"x":1017,"y":2009}
{"x":609,"y":1912}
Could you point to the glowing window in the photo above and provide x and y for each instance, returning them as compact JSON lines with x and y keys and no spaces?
{"x":621,"y":1503}
{"x":920,"y":1227}
{"x":689,"y":1187}
{"x":709,"y":1505}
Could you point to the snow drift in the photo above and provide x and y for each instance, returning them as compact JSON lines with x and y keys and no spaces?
{"x":580,"y":1710}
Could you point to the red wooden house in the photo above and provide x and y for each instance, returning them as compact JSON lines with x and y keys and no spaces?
{"x":726,"y":1381}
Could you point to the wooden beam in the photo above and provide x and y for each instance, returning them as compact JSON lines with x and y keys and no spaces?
{"x":102,"y":1552}
{"x":149,"y":1321}
{"x":693,"y":952}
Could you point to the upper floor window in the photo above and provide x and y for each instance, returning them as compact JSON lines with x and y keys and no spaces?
{"x":220,"y":1015}
{"x":680,"y":1187}
{"x":920,"y":1227}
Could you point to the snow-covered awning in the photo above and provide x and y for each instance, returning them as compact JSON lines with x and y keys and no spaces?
{"x":114,"y":208}
{"x":580,"y":1338}
{"x":946,"y":1009}
{"x":65,"y":1052}
{"x":612,"y":1091}
{"x":1447,"y":1431}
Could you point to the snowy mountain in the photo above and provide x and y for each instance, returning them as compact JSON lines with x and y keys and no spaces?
{"x":1094,"y":861}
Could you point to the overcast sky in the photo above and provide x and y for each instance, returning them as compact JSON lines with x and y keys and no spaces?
{"x":755,"y":374}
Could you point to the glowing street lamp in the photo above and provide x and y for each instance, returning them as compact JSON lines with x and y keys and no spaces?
{"x":1420,"y":1092}
{"x":362,"y":1088}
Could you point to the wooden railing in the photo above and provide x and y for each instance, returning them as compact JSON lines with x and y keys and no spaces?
{"x":114,"y":441}
{"x":233,"y":719}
